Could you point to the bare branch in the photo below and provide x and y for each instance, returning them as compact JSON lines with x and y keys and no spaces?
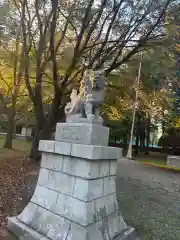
{"x":142,"y":41}
{"x":26,"y":53}
{"x":68,"y":20}
{"x":52,"y":40}
{"x":115,"y":12}
{"x":89,"y":34}
{"x":7,"y":84}
{"x":85,"y":22}
{"x":40,"y":24}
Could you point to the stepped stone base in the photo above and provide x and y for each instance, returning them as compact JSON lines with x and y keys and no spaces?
{"x":75,"y":196}
{"x":24,"y":232}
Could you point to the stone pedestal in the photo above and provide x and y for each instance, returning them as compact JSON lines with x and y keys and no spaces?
{"x":75,"y":196}
{"x":173,"y":161}
{"x":82,"y":133}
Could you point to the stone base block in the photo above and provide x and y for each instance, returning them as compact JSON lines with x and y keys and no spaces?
{"x":129,"y":234}
{"x":173,"y":161}
{"x":97,"y":231}
{"x":78,"y":119}
{"x":23,"y":232}
{"x":82,"y":133}
{"x":89,"y":152}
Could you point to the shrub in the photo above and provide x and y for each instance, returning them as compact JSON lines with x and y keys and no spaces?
{"x":170,"y":140}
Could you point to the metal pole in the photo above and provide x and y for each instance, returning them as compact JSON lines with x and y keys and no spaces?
{"x":129,"y":153}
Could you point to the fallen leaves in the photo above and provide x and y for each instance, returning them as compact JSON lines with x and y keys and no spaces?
{"x":17,"y":182}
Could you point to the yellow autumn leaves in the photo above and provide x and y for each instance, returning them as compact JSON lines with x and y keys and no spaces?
{"x":177,"y":46}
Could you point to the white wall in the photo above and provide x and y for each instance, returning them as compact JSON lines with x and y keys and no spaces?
{"x":26,"y":131}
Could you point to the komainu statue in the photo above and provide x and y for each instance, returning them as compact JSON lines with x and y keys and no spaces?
{"x":85,"y":106}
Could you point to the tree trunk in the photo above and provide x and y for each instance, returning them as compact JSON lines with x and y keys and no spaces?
{"x":137,"y":143}
{"x":9,"y":135}
{"x":55,"y":114}
{"x":34,"y":153}
{"x":144,"y":140}
{"x":125,"y":141}
{"x":148,"y":135}
{"x":45,"y":125}
{"x":163,"y":127}
{"x":141,"y":141}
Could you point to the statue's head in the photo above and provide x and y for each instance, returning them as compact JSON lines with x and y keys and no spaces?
{"x":99,"y":80}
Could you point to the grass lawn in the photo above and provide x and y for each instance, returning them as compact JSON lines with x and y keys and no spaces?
{"x":153,"y":158}
{"x":20,"y":145}
{"x":156,"y":160}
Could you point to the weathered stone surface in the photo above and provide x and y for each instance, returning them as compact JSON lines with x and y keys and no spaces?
{"x":110,"y":229}
{"x":75,"y":210}
{"x":49,"y":224}
{"x":116,"y":224}
{"x":105,"y":206}
{"x":77,"y":119}
{"x":128,"y":234}
{"x":96,"y":231}
{"x":56,"y":181}
{"x":81,"y":167}
{"x":58,"y":227}
{"x":173,"y":161}
{"x":63,"y":148}
{"x":61,"y":182}
{"x":82,"y":133}
{"x":113,"y":167}
{"x":46,"y":146}
{"x":87,"y":190}
{"x":82,"y":151}
{"x":104,"y":169}
{"x":22,"y":231}
{"x":28,"y":213}
{"x":43,"y":177}
{"x":52,"y":161}
{"x":109,"y":185}
{"x":45,"y":197}
{"x":45,"y":222}
{"x":95,"y":152}
{"x":85,"y":233}
{"x":52,"y":225}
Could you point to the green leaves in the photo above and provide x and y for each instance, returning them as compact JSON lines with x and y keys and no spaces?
{"x":158,"y":68}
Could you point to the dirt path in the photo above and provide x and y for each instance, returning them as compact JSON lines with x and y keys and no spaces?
{"x":149,"y":199}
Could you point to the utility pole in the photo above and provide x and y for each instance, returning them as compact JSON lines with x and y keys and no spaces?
{"x":129,"y":153}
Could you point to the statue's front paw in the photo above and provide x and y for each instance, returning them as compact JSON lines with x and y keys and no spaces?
{"x":91,"y":116}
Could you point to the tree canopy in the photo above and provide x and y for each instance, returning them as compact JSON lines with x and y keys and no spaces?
{"x":61,"y":39}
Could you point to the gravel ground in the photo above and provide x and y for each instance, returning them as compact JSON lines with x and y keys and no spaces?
{"x":149,"y":200}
